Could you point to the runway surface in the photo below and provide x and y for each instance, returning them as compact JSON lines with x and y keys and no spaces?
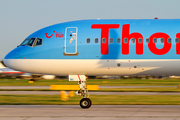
{"x":92,"y":93}
{"x":96,"y":112}
{"x":48,"y":87}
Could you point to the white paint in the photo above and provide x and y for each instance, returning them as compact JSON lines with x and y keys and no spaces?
{"x":77,"y":78}
{"x":96,"y":67}
{"x":2,"y":66}
{"x":48,"y":77}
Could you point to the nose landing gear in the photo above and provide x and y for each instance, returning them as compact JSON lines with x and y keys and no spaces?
{"x":85,"y":101}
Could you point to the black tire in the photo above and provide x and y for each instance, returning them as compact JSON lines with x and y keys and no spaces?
{"x":85,"y":103}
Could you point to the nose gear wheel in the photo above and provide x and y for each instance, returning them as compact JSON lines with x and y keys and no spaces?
{"x":85,"y":103}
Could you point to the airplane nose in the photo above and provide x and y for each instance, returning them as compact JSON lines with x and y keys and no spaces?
{"x":10,"y":59}
{"x":10,"y":63}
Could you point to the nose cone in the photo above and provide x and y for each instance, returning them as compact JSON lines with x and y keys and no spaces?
{"x":10,"y":59}
{"x":11,"y":55}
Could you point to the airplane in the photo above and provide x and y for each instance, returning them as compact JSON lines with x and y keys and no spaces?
{"x":123,"y":47}
{"x":4,"y":71}
{"x":1,"y":65}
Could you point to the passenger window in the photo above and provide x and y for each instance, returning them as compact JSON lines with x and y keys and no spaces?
{"x":96,"y":40}
{"x":118,"y":40}
{"x":125,"y":40}
{"x":111,"y":40}
{"x":140,"y":40}
{"x":162,"y":40}
{"x":154,"y":40}
{"x":31,"y":41}
{"x":169,"y":40}
{"x":104,"y":40}
{"x":88,"y":40}
{"x":177,"y":40}
{"x":132,"y":40}
{"x":38,"y":42}
{"x":147,"y":40}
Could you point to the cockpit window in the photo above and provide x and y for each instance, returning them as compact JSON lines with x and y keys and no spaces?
{"x":38,"y":42}
{"x":32,"y":42}
{"x":25,"y":42}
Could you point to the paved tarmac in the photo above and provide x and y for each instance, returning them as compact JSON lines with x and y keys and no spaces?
{"x":96,"y":112}
{"x":91,"y":93}
{"x":48,"y":87}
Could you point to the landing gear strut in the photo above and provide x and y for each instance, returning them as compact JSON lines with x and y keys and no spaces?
{"x":85,"y":101}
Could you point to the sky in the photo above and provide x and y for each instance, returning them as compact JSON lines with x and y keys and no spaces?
{"x":20,"y":18}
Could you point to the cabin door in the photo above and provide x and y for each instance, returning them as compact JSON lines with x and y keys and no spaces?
{"x":70,"y":41}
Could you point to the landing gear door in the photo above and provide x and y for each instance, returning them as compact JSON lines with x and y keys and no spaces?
{"x":70,"y":46}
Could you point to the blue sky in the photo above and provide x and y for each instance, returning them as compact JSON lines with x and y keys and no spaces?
{"x":20,"y":18}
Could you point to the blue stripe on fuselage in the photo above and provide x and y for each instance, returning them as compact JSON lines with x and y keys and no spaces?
{"x":53,"y":47}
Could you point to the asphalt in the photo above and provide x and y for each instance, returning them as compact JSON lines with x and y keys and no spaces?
{"x":96,"y":112}
{"x":91,"y":93}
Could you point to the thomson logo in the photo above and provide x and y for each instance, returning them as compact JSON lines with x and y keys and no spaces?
{"x":139,"y":45}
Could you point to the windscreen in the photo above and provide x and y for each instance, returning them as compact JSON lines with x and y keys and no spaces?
{"x":25,"y":42}
{"x":28,"y":41}
{"x":32,"y":42}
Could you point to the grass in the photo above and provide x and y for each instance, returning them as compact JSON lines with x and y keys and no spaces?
{"x":135,"y":82}
{"x":101,"y":82}
{"x":96,"y":100}
{"x":148,"y":89}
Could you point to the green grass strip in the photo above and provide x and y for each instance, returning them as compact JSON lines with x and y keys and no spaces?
{"x":101,"y":82}
{"x":96,"y":100}
{"x":148,"y":89}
